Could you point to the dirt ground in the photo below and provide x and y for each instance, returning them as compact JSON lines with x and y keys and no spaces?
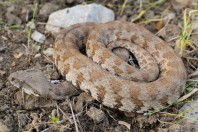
{"x":22,"y":112}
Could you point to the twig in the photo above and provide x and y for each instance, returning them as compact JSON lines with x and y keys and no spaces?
{"x":63,"y":112}
{"x":73,"y":116}
{"x":127,"y":125}
{"x":163,"y":27}
{"x":190,"y":58}
{"x":188,"y":95}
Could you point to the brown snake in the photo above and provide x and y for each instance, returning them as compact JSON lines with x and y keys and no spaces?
{"x":159,"y":80}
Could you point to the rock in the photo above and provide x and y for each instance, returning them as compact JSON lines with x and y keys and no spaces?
{"x":37,"y":55}
{"x":96,"y":114}
{"x":70,"y":1}
{"x":2,"y":73}
{"x":36,"y":47}
{"x":31,"y":25}
{"x":12,"y":8}
{"x":12,"y":19}
{"x":195,"y":25}
{"x":47,"y":9}
{"x":18,"y":55}
{"x":194,"y":39}
{"x":180,"y":4}
{"x":78,"y":14}
{"x":81,"y":100}
{"x":3,"y":49}
{"x":38,"y":37}
{"x":4,"y":128}
{"x":1,"y":84}
{"x":1,"y":59}
{"x":190,"y":110}
{"x":26,"y":12}
{"x":2,"y":10}
{"x":49,"y":52}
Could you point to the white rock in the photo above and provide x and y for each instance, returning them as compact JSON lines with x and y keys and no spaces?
{"x":49,"y":52}
{"x":38,"y":37}
{"x":31,"y":25}
{"x":37,"y":55}
{"x":79,"y":14}
{"x":190,"y":111}
{"x":4,"y":128}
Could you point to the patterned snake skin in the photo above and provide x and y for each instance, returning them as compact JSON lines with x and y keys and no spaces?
{"x":111,"y":80}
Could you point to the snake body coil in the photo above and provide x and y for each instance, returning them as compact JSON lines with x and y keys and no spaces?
{"x":110,"y":80}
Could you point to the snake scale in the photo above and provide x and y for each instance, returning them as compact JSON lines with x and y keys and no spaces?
{"x":111,"y":80}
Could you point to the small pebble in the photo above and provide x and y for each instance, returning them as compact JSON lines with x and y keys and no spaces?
{"x":31,"y":25}
{"x":4,"y":128}
{"x":96,"y":114}
{"x":12,"y":19}
{"x":190,"y":113}
{"x":49,"y":52}
{"x":1,"y":59}
{"x":38,"y":37}
{"x":37,"y":55}
{"x":2,"y":49}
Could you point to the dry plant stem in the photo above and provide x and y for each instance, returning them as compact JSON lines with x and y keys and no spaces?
{"x":177,"y":102}
{"x":61,"y":110}
{"x":49,"y":59}
{"x":125,"y":124}
{"x":188,"y":95}
{"x":180,"y":115}
{"x":74,"y":118}
{"x":190,"y":58}
{"x":163,"y":27}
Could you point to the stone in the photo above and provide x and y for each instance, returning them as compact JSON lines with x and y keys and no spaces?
{"x":12,"y":19}
{"x":31,"y":25}
{"x":78,"y":14}
{"x":190,"y":111}
{"x":96,"y":114}
{"x":49,"y":52}
{"x":47,"y":9}
{"x":180,"y":4}
{"x":4,"y":128}
{"x":1,"y":59}
{"x":38,"y":37}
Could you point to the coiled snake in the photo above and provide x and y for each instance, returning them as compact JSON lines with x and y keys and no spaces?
{"x":111,"y":80}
